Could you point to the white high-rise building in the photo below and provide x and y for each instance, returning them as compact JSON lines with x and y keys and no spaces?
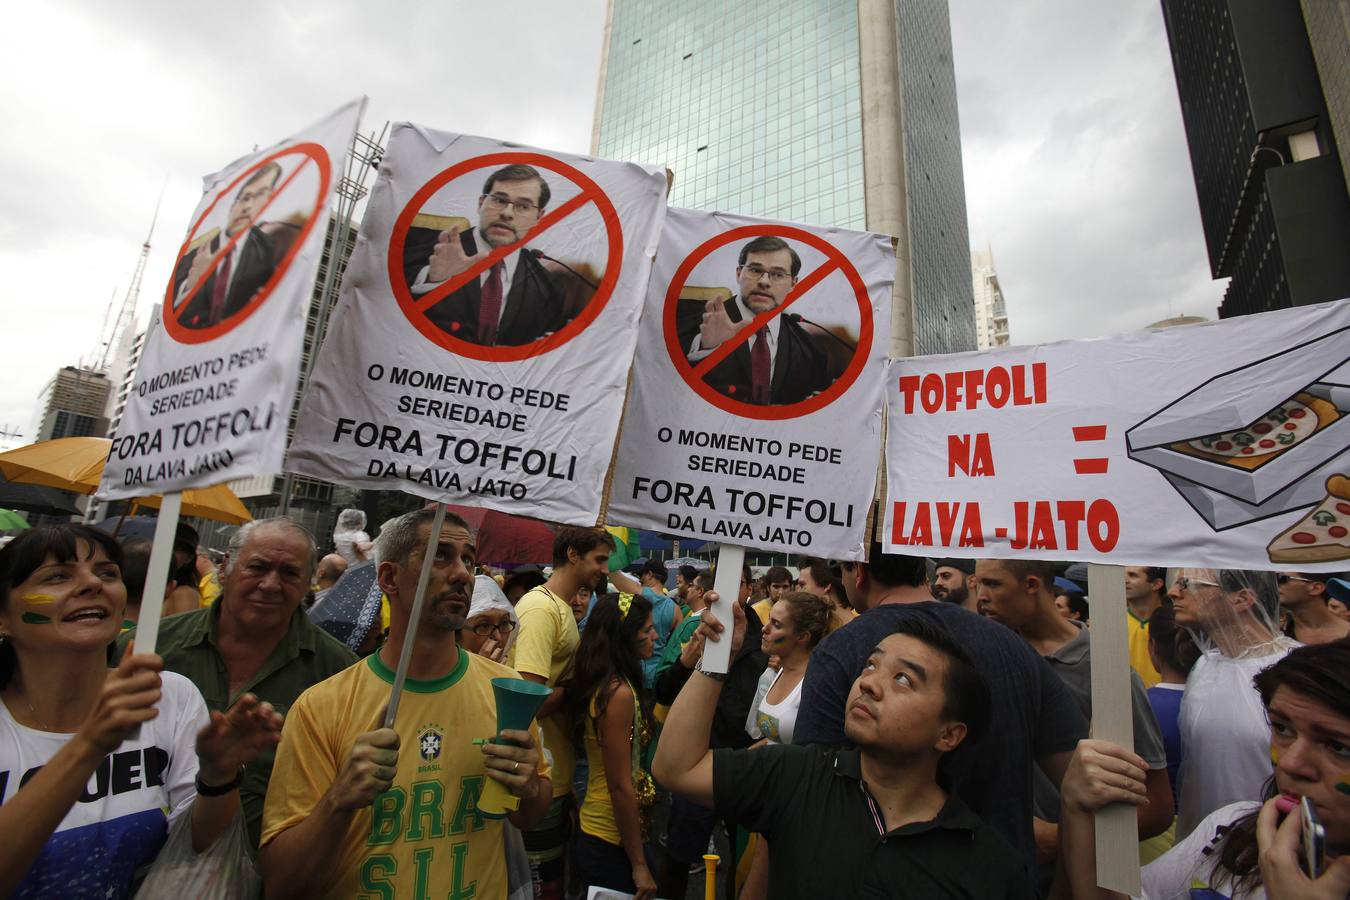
{"x":991,"y":314}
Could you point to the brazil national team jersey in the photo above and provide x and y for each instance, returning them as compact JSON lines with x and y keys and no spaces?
{"x":423,"y":837}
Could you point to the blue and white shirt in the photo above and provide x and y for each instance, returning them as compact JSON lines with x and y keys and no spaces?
{"x":121,"y":820}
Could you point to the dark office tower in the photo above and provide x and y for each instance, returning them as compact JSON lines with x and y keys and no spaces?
{"x":1272,"y":190}
{"x":818,"y":111}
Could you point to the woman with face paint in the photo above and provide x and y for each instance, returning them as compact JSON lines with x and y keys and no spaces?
{"x":797,"y":622}
{"x":1251,"y":848}
{"x":92,"y":758}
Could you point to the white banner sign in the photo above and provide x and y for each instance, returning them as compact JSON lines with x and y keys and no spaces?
{"x":754,"y":416}
{"x":216,"y":381}
{"x":485,"y":328}
{"x":1222,"y":444}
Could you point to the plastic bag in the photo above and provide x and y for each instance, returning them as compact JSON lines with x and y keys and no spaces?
{"x":224,"y":872}
{"x":519,"y":878}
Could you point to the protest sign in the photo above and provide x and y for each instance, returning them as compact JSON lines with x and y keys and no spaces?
{"x":216,"y":381}
{"x":754,"y":416}
{"x":1222,"y":444}
{"x":485,"y":328}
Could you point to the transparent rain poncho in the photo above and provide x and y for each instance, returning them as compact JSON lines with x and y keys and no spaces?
{"x":1232,"y":615}
{"x":349,"y":534}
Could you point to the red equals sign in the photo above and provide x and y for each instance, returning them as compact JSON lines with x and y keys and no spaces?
{"x":1090,"y":465}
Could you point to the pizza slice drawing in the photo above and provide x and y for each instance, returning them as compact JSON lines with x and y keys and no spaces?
{"x":1323,"y":535}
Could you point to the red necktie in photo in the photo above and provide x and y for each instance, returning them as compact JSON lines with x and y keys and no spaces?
{"x":490,"y":306}
{"x":219,"y":288}
{"x":759,"y":367}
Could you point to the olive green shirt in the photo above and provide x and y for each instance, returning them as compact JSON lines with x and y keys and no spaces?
{"x":305,"y":656}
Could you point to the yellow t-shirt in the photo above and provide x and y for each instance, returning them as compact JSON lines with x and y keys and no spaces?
{"x":422,"y":837}
{"x":1138,"y":631}
{"x":547,"y":642}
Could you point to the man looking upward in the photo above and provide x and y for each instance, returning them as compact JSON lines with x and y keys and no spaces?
{"x":890,"y":829}
{"x":359,"y":809}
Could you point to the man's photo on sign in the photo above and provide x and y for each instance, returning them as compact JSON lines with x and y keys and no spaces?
{"x":526,"y":294}
{"x":229,"y":261}
{"x":785,"y":359}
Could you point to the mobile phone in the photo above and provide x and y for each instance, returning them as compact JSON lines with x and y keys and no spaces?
{"x":1314,"y":839}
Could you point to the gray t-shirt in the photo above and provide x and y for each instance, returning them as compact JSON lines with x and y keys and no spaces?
{"x":1073,"y":664}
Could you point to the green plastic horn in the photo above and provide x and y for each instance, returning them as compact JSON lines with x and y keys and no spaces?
{"x":517,"y":702}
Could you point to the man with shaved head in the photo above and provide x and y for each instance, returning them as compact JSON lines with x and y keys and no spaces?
{"x":255,"y":638}
{"x":330,"y":570}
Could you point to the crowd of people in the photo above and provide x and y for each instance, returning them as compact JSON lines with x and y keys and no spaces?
{"x":898,"y":727}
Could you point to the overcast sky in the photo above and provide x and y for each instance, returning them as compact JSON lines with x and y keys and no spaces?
{"x":1075,"y":161}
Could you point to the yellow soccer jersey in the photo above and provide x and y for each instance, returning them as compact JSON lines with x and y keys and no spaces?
{"x":544,"y":648}
{"x":423,"y":837}
{"x":1139,"y":658}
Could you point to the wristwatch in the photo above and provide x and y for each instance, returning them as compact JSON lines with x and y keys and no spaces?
{"x":219,"y":790}
{"x":715,"y":676}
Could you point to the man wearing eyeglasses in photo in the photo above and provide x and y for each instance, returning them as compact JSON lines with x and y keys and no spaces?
{"x":1303,"y":595}
{"x":515,"y":301}
{"x":779,"y":363}
{"x":229,"y":278}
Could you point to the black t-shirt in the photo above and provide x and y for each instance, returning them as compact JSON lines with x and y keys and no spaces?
{"x":1033,"y":712}
{"x":826,"y":837}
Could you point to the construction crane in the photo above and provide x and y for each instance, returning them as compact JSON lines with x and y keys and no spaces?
{"x":127,"y":312}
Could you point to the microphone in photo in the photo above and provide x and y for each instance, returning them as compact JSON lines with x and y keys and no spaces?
{"x":540,"y":254}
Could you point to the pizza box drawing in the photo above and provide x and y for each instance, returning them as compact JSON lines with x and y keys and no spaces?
{"x":1197,"y":441}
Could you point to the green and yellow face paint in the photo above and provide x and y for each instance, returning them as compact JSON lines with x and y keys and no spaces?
{"x":1343,"y":783}
{"x":35,"y":618}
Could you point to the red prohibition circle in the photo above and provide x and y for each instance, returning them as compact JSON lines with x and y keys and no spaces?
{"x":409,"y":303}
{"x":185,"y":335}
{"x":751,"y":410}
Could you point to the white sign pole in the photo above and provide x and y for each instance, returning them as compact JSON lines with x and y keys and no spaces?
{"x":415,"y":617}
{"x":157,"y":574}
{"x":727,"y":584}
{"x":1112,"y":720}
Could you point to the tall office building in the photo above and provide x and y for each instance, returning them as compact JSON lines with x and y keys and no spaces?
{"x":818,"y":111}
{"x":1268,"y":172}
{"x":73,"y":404}
{"x":991,"y":313}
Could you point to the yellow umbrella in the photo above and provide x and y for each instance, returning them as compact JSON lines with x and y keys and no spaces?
{"x":217,"y":503}
{"x":71,"y":464}
{"x":76,"y":464}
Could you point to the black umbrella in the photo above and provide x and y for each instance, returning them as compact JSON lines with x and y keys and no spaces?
{"x":350,"y":608}
{"x":36,"y":498}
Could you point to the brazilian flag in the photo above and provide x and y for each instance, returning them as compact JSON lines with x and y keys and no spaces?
{"x":626,"y":550}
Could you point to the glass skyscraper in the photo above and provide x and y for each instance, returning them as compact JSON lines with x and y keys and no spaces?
{"x":757,"y":108}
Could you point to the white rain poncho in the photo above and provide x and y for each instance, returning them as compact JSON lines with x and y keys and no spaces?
{"x":350,"y":534}
{"x":1225,"y":738}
